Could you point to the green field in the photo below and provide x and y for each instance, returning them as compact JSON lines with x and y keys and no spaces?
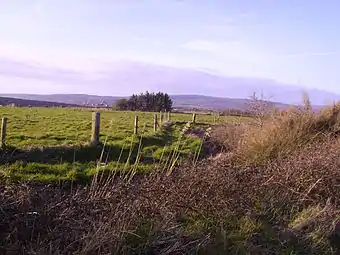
{"x":52,"y":143}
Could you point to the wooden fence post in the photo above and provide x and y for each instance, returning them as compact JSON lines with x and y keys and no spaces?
{"x":3,"y":133}
{"x":155,"y":123}
{"x":95,"y":128}
{"x":136,"y":126}
{"x":194,"y":117}
{"x":160,"y":117}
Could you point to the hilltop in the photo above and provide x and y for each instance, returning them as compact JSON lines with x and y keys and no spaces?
{"x":33,"y":103}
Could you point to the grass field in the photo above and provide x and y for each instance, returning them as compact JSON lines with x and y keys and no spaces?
{"x":52,"y":143}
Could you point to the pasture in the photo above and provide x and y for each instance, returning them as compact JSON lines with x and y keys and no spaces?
{"x":52,"y":143}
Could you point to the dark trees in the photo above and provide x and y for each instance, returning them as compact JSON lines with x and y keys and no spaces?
{"x":151,"y":102}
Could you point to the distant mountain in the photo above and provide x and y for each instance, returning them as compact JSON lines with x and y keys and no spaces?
{"x":180,"y":101}
{"x":78,"y":99}
{"x":216,"y":103}
{"x":5,"y":101}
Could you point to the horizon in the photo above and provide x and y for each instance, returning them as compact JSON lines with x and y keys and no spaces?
{"x":171,"y":95}
{"x":58,"y":47}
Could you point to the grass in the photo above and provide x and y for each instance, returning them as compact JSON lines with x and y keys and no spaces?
{"x":283,"y":134}
{"x":51,"y":144}
{"x":31,"y":127}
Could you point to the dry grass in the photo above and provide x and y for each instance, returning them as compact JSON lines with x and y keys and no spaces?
{"x":282,"y":134}
{"x":212,"y":208}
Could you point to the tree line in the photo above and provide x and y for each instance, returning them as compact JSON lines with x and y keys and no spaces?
{"x":150,"y":102}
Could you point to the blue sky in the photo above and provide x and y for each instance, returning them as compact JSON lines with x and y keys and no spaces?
{"x":291,"y":41}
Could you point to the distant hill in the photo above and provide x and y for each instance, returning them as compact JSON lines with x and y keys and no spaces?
{"x":180,"y":101}
{"x":4,"y":101}
{"x":215,"y":103}
{"x":77,"y":99}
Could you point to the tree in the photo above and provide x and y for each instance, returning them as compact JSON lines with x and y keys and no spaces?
{"x":167,"y":103}
{"x":122,"y":104}
{"x":146,"y":102}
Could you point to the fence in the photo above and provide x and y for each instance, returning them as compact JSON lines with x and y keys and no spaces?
{"x":95,"y":135}
{"x":3,"y":132}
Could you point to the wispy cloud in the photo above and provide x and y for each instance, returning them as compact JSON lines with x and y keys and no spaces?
{"x":203,"y":45}
{"x":32,"y":70}
{"x":312,"y":54}
{"x":231,"y":52}
{"x":228,"y":27}
{"x":247,"y":15}
{"x":232,"y":23}
{"x":38,"y":9}
{"x":147,"y":40}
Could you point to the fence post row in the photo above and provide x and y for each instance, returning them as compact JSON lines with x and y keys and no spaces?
{"x":155,"y":122}
{"x":136,"y":126}
{"x":161,"y":117}
{"x":95,"y":128}
{"x":194,"y":117}
{"x":3,"y":133}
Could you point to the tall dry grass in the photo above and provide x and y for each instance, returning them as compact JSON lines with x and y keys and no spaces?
{"x":283,"y":133}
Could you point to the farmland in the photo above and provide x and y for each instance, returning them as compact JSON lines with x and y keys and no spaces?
{"x":52,"y":143}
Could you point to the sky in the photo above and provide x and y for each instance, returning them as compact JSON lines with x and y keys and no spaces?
{"x":290,"y":41}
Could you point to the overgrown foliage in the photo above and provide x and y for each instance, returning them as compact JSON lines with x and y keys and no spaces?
{"x":282,"y":134}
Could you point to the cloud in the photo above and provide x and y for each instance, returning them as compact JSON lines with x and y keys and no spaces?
{"x":311,"y":54}
{"x":38,"y":9}
{"x":58,"y":58}
{"x":203,"y":45}
{"x":32,"y":70}
{"x":247,"y":15}
{"x":232,"y":23}
{"x":146,"y":40}
{"x":221,"y":27}
{"x":229,"y":48}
